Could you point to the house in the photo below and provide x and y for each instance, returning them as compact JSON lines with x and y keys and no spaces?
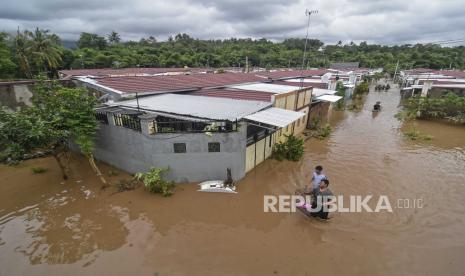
{"x":197,"y":137}
{"x":432,"y":83}
{"x":199,"y":125}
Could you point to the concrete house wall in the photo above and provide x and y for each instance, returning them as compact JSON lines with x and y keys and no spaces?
{"x":16,"y":95}
{"x":135,"y":151}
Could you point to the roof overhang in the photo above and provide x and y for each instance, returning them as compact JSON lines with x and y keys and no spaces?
{"x":329,"y":98}
{"x":275,"y":116}
{"x":317,"y":92}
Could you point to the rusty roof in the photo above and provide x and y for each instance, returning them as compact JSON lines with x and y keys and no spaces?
{"x":108,"y":72}
{"x":292,"y":73}
{"x":142,"y":84}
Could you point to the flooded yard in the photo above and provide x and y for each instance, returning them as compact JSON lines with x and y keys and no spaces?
{"x":53,"y":227}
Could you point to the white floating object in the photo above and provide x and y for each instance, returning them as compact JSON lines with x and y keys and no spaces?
{"x":216,"y":186}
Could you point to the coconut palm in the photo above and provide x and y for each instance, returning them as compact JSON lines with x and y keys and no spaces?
{"x":114,"y":38}
{"x":44,"y":50}
{"x":21,"y":49}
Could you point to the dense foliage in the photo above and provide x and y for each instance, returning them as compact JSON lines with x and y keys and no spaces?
{"x":28,"y":53}
{"x":154,"y":182}
{"x":361,"y":88}
{"x":292,"y":149}
{"x":449,"y":106}
{"x":58,"y":115}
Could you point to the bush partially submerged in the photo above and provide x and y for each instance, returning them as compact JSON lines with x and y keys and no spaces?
{"x":449,"y":106}
{"x":361,"y":88}
{"x":322,"y":132}
{"x":37,"y":170}
{"x":292,"y":149}
{"x":154,"y":182}
{"x":127,"y":185}
{"x":414,"y":134}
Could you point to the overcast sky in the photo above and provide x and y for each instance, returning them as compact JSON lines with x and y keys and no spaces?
{"x":384,"y":21}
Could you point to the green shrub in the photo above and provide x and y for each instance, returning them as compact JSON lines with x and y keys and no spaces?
{"x":322,"y":132}
{"x":37,"y":170}
{"x":292,"y":149}
{"x":414,"y":134}
{"x":315,"y":123}
{"x":361,"y":88}
{"x":154,"y":182}
{"x":449,"y":106}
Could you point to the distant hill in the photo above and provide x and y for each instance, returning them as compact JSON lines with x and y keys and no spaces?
{"x":70,"y":44}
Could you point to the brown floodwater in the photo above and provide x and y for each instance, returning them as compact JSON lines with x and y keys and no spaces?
{"x":54,"y":227}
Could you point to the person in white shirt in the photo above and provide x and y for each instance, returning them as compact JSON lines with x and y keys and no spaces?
{"x":317,"y":177}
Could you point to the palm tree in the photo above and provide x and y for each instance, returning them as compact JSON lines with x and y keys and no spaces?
{"x":21,"y":49}
{"x":44,"y":50}
{"x":114,"y":38}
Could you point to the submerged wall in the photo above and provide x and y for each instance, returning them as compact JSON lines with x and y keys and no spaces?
{"x":134,"y":151}
{"x":16,"y":95}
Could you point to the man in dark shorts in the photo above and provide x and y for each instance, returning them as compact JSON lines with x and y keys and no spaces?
{"x":321,"y":199}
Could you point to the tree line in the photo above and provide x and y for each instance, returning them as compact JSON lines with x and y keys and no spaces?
{"x":26,"y":54}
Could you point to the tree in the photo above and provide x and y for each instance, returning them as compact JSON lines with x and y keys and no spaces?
{"x":7,"y":64}
{"x":114,"y":38}
{"x":58,"y":116}
{"x":38,"y":52}
{"x":22,"y":53}
{"x":88,"y":40}
{"x":44,"y":50}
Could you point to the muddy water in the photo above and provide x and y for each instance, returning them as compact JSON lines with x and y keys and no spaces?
{"x":54,"y":227}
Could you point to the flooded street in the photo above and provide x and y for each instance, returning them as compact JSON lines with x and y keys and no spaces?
{"x":54,"y":227}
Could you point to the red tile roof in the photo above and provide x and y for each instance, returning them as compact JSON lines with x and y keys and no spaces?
{"x":176,"y":82}
{"x":292,"y":73}
{"x":234,"y":94}
{"x":451,"y":73}
{"x":107,"y":72}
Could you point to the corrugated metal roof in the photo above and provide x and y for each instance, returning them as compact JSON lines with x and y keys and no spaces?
{"x":283,"y":74}
{"x":320,"y":92}
{"x":197,"y":106}
{"x":143,"y":84}
{"x":329,"y":98}
{"x":305,"y":85}
{"x":275,"y":116}
{"x":234,"y":94}
{"x":267,"y":87}
{"x":130,"y":71}
{"x":307,"y":80}
{"x":454,"y":85}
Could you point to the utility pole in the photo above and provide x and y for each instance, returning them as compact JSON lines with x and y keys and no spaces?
{"x":247,"y":64}
{"x":137,"y":100}
{"x":395,"y":73}
{"x":307,"y":13}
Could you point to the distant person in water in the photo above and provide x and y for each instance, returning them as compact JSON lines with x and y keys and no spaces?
{"x":317,"y":177}
{"x":321,"y":199}
{"x":377,"y":106}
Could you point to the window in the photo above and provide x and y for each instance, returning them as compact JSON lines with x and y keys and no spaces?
{"x":179,"y":147}
{"x":214,"y":147}
{"x":131,"y":121}
{"x":173,"y":125}
{"x":102,"y":117}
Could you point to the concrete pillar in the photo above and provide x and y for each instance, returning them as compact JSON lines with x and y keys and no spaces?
{"x":427,"y":84}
